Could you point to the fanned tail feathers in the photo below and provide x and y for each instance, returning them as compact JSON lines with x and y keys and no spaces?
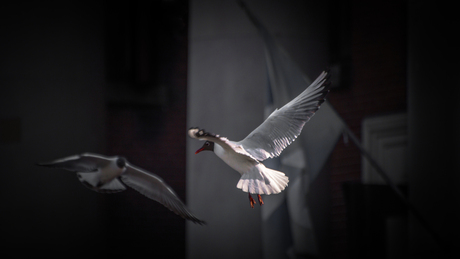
{"x":266,"y":181}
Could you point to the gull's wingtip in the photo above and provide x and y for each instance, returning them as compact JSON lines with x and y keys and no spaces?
{"x":43,"y":164}
{"x":199,"y":222}
{"x":198,"y":133}
{"x":192,"y":132}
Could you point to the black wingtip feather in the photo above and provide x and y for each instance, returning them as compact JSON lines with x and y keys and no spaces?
{"x":198,"y":221}
{"x":203,"y":133}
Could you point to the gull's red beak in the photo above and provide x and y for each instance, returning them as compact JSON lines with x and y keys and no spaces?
{"x":199,"y":150}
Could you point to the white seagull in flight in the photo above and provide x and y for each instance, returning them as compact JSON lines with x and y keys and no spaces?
{"x":268,"y":140}
{"x":102,"y":174}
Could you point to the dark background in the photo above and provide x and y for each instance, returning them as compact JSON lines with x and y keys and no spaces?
{"x":111,"y":78}
{"x":91,"y":76}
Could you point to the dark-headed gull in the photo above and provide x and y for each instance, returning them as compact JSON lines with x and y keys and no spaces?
{"x":101,"y":174}
{"x":268,"y":140}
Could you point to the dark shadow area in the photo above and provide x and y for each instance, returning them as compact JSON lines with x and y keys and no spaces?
{"x":91,"y":76}
{"x":376,"y":221}
{"x":146,"y":60}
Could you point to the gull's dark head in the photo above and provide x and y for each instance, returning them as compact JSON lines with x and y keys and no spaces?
{"x":121,"y":162}
{"x":208,"y":145}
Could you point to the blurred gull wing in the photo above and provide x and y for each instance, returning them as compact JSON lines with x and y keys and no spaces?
{"x":283,"y":126}
{"x":86,"y":162}
{"x":156,"y":189}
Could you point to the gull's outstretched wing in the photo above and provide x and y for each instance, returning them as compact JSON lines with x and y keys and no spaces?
{"x":156,"y":189}
{"x":86,"y":162}
{"x":283,"y":126}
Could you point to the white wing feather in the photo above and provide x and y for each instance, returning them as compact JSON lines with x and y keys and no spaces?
{"x":283,"y":126}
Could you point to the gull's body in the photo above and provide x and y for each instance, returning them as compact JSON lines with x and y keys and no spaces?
{"x":106,"y":174}
{"x":268,"y":140}
{"x":235,"y":160}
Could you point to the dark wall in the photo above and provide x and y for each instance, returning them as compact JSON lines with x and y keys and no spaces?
{"x":146,"y":55}
{"x":91,"y":76}
{"x":371,"y":46}
{"x":403,"y":57}
{"x":52,"y":105}
{"x":433,"y":129}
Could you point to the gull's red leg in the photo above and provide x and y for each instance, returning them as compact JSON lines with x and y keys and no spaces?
{"x":261,"y":202}
{"x":251,"y":200}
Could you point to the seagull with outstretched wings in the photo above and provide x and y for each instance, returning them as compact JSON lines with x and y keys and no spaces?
{"x":103,"y":174}
{"x":268,"y":140}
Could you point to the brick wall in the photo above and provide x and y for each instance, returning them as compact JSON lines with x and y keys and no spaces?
{"x":378,"y":86}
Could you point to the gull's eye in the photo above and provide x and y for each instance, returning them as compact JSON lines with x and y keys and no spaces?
{"x":207,"y":143}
